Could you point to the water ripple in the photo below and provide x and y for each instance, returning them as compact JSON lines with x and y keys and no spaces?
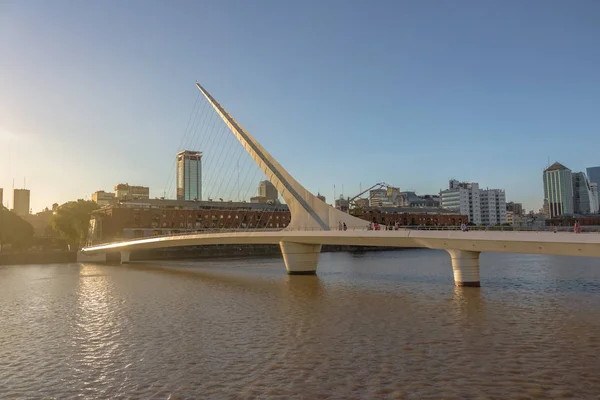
{"x":381,"y":325}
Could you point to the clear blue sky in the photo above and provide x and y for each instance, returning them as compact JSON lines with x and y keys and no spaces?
{"x":407,"y":92}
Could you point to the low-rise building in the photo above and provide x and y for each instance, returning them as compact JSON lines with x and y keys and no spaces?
{"x":124,"y":191}
{"x":361,"y":203}
{"x":103,"y":198}
{"x":407,"y":216}
{"x":411,"y":199}
{"x":143,"y":218}
{"x":510,"y":217}
{"x":150,"y":217}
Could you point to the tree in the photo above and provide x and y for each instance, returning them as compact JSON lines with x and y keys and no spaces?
{"x":14,"y":230}
{"x":71,"y":220}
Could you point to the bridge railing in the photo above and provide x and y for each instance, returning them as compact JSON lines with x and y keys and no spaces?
{"x":583,"y":229}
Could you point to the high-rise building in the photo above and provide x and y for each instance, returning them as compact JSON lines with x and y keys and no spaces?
{"x":103,"y":198}
{"x":1,"y":197}
{"x":558,"y":191}
{"x":21,"y":198}
{"x":593,"y":174}
{"x":515,"y":208}
{"x":493,"y":206}
{"x":124,"y":191}
{"x":582,"y":194}
{"x":189,"y":175}
{"x":595,"y":206}
{"x":267,"y":190}
{"x":463,"y":198}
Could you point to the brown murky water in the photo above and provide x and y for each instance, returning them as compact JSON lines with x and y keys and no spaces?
{"x":373,"y":325}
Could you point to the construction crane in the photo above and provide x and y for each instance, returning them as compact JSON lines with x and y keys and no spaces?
{"x":379,"y":185}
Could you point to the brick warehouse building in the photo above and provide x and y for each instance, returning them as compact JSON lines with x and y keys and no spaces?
{"x":409,"y":216}
{"x":143,"y":218}
{"x":158,"y":217}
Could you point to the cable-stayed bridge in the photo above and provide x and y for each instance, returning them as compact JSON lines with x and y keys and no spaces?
{"x":314,"y":223}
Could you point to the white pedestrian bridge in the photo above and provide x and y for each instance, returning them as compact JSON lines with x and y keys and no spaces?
{"x":301,"y":248}
{"x":315,"y":223}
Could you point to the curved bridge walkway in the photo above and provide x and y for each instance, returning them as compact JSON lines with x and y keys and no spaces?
{"x":315,"y":223}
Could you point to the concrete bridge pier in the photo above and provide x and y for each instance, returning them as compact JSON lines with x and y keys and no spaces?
{"x":300,"y":258}
{"x":125,"y":257}
{"x":466,"y":267}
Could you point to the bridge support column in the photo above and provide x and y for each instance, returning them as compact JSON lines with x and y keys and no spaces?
{"x":466,"y":267}
{"x":125,"y":257}
{"x":91,"y":258}
{"x":300,"y":258}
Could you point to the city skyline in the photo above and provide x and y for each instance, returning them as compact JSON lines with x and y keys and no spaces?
{"x":450,"y":100}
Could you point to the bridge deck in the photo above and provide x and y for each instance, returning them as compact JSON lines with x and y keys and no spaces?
{"x":560,"y":243}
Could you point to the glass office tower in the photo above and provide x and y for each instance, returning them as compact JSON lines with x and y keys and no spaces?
{"x":558,"y":191}
{"x":189,"y":175}
{"x":593,"y":175}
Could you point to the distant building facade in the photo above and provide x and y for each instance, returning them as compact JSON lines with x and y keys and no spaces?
{"x":582,"y":194}
{"x":410,"y":216}
{"x":487,"y":207}
{"x":510,"y":217}
{"x":361,"y":203}
{"x":595,"y":206}
{"x":342,"y":204}
{"x":124,"y":191}
{"x":558,"y":191}
{"x":1,"y":197}
{"x":189,"y":175}
{"x":267,"y":190}
{"x":515,"y":208}
{"x":392,"y":194}
{"x":593,"y":174}
{"x":142,"y":218}
{"x":21,"y":202}
{"x":463,"y":198}
{"x":379,"y":198}
{"x":493,"y":206}
{"x":103,"y":198}
{"x":411,"y":199}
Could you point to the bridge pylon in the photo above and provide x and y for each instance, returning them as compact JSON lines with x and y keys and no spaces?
{"x":308,"y":212}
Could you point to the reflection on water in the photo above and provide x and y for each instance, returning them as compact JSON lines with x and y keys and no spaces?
{"x":370,"y":325}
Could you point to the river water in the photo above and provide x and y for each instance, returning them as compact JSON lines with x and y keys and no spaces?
{"x":370,"y":325}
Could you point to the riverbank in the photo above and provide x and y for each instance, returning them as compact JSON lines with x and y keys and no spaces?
{"x":38,"y":257}
{"x":192,"y":252}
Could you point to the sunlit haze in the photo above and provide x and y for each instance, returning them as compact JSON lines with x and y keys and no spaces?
{"x":342,"y":93}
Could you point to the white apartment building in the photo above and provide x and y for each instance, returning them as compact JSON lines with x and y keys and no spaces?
{"x":493,"y":206}
{"x":463,"y":198}
{"x":487,"y":207}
